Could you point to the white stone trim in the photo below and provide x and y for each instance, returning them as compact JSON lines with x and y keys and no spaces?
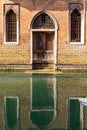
{"x":4,"y":28}
{"x":55,"y":48}
{"x":31,"y":47}
{"x":17,"y":103}
{"x":82,"y":26}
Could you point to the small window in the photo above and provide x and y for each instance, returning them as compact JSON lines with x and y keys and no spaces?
{"x":76,"y":23}
{"x":75,"y":26}
{"x":11,"y":26}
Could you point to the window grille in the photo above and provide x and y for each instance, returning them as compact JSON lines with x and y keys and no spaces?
{"x":43,"y":21}
{"x":75,"y":26}
{"x":11,"y":27}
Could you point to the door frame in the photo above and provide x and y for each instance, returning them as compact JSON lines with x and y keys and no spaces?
{"x":55,"y":30}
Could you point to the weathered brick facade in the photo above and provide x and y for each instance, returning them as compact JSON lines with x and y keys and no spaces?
{"x":21,"y":53}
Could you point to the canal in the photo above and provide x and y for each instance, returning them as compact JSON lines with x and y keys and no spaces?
{"x":43,"y":101}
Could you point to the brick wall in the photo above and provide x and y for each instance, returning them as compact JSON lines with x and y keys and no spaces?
{"x":20,"y":54}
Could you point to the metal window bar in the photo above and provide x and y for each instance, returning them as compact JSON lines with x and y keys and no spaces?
{"x":43,"y":21}
{"x":11,"y":27}
{"x":75,"y":26}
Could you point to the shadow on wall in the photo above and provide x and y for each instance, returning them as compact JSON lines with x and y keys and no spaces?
{"x":43,"y":4}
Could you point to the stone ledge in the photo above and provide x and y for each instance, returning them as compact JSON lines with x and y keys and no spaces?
{"x":72,"y":68}
{"x":59,"y":68}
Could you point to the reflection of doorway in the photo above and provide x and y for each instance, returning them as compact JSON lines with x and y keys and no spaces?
{"x":43,"y":103}
{"x":44,"y":41}
{"x":75,"y":121}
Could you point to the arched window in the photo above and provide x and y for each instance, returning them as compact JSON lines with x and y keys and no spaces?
{"x":43,"y":21}
{"x":75,"y":26}
{"x":11,"y":26}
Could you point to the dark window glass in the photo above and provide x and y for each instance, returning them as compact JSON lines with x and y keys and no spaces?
{"x":75,"y":26}
{"x":11,"y":27}
{"x":43,"y":21}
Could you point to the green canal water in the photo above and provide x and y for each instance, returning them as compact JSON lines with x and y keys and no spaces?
{"x":42,"y":101}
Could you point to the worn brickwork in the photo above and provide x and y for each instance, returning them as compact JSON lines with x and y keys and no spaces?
{"x":20,"y":53}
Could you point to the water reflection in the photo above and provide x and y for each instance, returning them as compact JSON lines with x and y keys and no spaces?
{"x":43,"y":105}
{"x":11,"y":112}
{"x":42,"y":102}
{"x":76,"y":121}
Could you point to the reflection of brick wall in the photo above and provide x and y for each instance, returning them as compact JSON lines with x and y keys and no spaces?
{"x":19,"y":54}
{"x":20,"y":85}
{"x":23,"y":95}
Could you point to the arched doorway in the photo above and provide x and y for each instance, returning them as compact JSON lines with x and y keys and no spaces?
{"x":43,"y":41}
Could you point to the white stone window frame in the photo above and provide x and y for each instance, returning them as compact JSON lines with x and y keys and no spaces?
{"x":82,"y":42}
{"x":4,"y":25}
